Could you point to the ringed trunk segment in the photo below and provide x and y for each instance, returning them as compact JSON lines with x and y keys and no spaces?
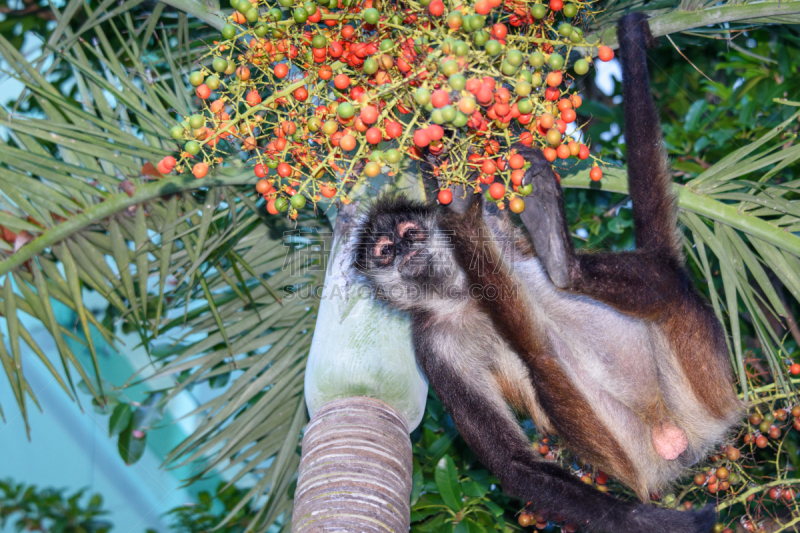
{"x":355,"y":470}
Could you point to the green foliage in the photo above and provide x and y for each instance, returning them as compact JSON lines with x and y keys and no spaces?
{"x":53,"y":510}
{"x":451,"y":490}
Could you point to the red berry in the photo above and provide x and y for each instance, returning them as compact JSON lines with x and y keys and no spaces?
{"x":440,"y":98}
{"x":435,"y":132}
{"x":421,"y":138}
{"x":341,"y":81}
{"x":445,"y":196}
{"x":260,"y":171}
{"x":605,"y":53}
{"x":497,"y":190}
{"x":373,"y":135}
{"x":203,"y":91}
{"x":369,"y":114}
{"x":795,"y":369}
{"x":436,"y":8}
{"x":556,"y":5}
{"x":393,"y":129}
{"x":284,"y":170}
{"x":281,"y":70}
{"x":596,"y":174}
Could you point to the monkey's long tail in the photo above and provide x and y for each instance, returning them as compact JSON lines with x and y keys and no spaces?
{"x":649,"y":179}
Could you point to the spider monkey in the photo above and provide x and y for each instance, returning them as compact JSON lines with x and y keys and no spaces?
{"x":616,"y":353}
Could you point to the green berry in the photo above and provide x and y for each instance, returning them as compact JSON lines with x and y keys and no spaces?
{"x":261,"y":30}
{"x":286,"y":3}
{"x":275,"y":14}
{"x":252,"y":16}
{"x":228,"y":31}
{"x":536,"y":59}
{"x":514,"y":57}
{"x":176,"y":132}
{"x":393,"y":156}
{"x":376,"y":156}
{"x":570,"y":10}
{"x":243,"y":6}
{"x":461,"y":120}
{"x":219,"y":64}
{"x":523,"y":88}
{"x":449,"y":113}
{"x":319,"y":41}
{"x":457,"y":82}
{"x":300,"y":15}
{"x":493,"y":48}
{"x":508,"y":69}
{"x":581,"y":67}
{"x":370,"y":66}
{"x":192,"y":147}
{"x":450,"y":67}
{"x":422,"y":96}
{"x":555,"y":61}
{"x":525,"y":190}
{"x":281,"y":204}
{"x":480,"y":38}
{"x":196,"y":78}
{"x":298,"y":201}
{"x":345,"y":110}
{"x":213,"y":82}
{"x":525,"y":106}
{"x":565,"y":29}
{"x":371,"y":15}
{"x":386,"y":45}
{"x":197,"y":121}
{"x":538,"y":11}
{"x":460,"y":48}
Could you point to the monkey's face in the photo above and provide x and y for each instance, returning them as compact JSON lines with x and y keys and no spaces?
{"x":403,"y":253}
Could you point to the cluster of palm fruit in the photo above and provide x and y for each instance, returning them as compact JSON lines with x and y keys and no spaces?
{"x":321,"y":96}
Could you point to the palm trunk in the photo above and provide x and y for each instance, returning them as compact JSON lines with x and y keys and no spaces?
{"x":355,"y":471}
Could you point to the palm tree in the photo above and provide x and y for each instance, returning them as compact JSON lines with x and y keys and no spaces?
{"x":216,"y":290}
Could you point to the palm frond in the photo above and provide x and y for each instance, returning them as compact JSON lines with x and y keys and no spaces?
{"x":208,"y":286}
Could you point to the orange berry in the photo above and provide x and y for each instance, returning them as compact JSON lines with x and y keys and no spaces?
{"x":497,"y":190}
{"x":341,"y":81}
{"x":517,"y":205}
{"x":200,"y":170}
{"x":203,"y":91}
{"x":327,"y":190}
{"x":347,"y":142}
{"x":596,"y":174}
{"x":281,"y":70}
{"x":516,"y":161}
{"x":605,"y":53}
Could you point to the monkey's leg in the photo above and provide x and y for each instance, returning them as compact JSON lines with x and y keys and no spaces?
{"x":494,"y":436}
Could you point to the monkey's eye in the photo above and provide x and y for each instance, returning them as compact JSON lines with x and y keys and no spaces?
{"x":383,"y":249}
{"x":411,"y":231}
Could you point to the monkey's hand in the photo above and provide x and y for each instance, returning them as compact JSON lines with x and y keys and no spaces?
{"x":544,"y":217}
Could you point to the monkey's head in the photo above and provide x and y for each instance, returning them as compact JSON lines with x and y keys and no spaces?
{"x":403,"y":253}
